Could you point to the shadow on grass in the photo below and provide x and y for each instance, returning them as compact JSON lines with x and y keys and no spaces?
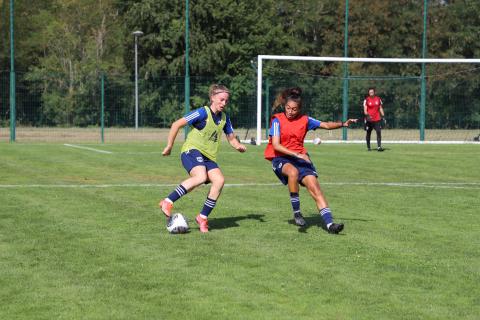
{"x":317,"y":222}
{"x":231,"y":222}
{"x":313,"y":221}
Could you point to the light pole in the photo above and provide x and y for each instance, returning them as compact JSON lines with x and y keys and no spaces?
{"x":12,"y":79}
{"x":136,"y":34}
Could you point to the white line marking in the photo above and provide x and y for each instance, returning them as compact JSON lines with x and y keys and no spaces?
{"x":441,"y":142}
{"x":439,"y":185}
{"x":86,"y":148}
{"x":140,"y":152}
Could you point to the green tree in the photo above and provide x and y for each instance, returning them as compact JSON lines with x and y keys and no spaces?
{"x":80,"y":40}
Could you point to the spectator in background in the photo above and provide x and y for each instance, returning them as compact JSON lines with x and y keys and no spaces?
{"x":373,"y":111}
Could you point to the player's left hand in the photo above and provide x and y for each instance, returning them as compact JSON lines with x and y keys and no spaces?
{"x":304,"y":156}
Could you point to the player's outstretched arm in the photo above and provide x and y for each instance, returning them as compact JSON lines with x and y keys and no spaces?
{"x":176,"y":126}
{"x":235,"y":143}
{"x":329,"y":125}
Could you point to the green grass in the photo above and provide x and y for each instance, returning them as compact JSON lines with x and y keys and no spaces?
{"x":409,"y":251}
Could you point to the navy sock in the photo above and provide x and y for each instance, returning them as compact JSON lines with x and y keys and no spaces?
{"x":326,"y":216}
{"x":179,"y":192}
{"x":295,"y":201}
{"x":208,"y":206}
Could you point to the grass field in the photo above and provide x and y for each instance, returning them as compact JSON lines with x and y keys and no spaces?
{"x":81,"y":236}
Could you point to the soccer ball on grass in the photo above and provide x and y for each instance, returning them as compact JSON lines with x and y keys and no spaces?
{"x":177,"y":224}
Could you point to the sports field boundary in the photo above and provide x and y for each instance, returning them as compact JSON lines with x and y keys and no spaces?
{"x":439,"y":185}
{"x":383,"y":142}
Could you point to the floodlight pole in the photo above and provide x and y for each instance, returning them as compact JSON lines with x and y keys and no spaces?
{"x":12,"y":78}
{"x":136,"y":34}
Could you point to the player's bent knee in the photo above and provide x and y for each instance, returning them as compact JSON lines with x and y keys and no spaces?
{"x":293,"y":175}
{"x":219,"y":182}
{"x":199,"y":179}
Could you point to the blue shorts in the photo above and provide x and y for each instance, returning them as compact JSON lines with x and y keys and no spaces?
{"x":304,"y":168}
{"x":193,"y":158}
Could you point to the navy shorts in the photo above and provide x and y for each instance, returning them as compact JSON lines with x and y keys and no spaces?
{"x":304,"y":168}
{"x":193,"y":158}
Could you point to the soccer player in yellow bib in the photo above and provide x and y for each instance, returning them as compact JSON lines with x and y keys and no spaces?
{"x":199,"y":152}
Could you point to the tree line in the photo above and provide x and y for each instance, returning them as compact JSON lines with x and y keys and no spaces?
{"x":62,"y":47}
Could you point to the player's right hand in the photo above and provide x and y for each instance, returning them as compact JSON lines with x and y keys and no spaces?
{"x":241,"y":148}
{"x":350,"y":121}
{"x":167,"y":151}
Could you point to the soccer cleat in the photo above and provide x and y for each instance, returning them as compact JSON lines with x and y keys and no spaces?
{"x":335,"y":228}
{"x":380,"y":149}
{"x":202,"y":223}
{"x":369,"y":149}
{"x":166,"y":207}
{"x":299,"y":220}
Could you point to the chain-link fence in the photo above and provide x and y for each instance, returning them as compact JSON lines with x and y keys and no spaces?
{"x":56,"y":108}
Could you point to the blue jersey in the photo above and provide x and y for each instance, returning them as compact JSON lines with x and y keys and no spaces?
{"x":198,"y":119}
{"x":275,"y":128}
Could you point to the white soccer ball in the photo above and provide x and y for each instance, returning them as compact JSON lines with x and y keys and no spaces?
{"x":177,"y":224}
{"x":317,"y":140}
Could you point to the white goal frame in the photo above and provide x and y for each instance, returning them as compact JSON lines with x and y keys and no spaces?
{"x":261,"y":58}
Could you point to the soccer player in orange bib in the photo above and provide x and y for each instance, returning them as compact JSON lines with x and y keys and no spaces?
{"x":290,"y":160}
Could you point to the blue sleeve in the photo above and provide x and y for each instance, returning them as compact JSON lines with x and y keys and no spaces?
{"x":275,"y":128}
{"x":195,"y":116}
{"x":227,"y":128}
{"x":313,"y":123}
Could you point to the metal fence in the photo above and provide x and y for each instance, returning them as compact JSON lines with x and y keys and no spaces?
{"x":53,"y":108}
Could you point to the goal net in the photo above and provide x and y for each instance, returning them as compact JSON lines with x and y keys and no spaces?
{"x":441,"y":105}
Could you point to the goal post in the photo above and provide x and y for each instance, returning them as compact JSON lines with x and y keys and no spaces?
{"x":262,"y":58}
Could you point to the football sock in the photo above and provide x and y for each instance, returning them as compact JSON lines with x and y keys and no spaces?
{"x":177,"y":193}
{"x":368,"y":138}
{"x":295,"y":200}
{"x":207,"y":207}
{"x":326,"y":216}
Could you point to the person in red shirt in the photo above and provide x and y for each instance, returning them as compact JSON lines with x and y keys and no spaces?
{"x":290,"y":160}
{"x":373,"y":111}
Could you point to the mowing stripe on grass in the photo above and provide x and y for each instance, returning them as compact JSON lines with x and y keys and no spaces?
{"x":86,"y":148}
{"x":441,"y":185}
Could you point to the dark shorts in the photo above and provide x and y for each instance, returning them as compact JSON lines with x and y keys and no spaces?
{"x":193,"y":158}
{"x":304,"y":168}
{"x":371,"y":125}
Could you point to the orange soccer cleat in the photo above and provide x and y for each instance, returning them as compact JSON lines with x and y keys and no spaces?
{"x":202,"y":223}
{"x":166,"y":207}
